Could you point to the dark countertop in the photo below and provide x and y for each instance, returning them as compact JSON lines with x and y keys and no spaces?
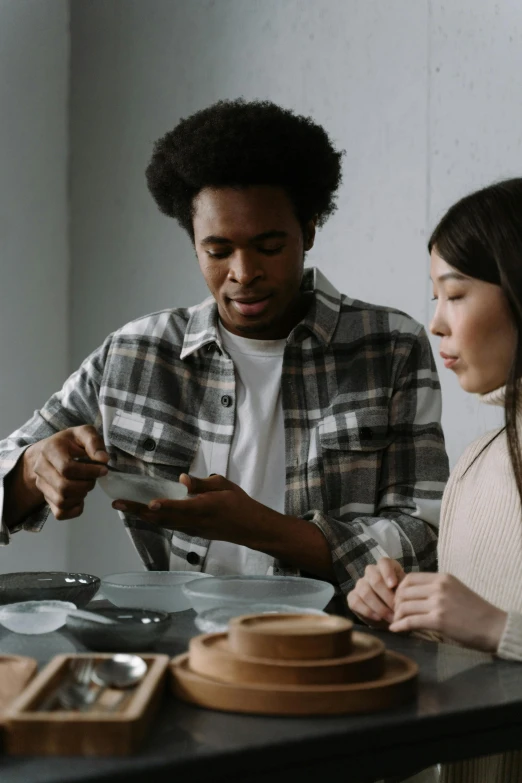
{"x":468,"y":704}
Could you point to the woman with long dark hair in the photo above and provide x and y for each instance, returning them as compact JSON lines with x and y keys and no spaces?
{"x":476,"y":598}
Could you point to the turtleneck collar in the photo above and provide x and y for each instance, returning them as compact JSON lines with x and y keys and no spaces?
{"x":495,"y":397}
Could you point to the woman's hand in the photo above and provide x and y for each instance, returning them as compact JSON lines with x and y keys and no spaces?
{"x":440,"y":602}
{"x":373,"y":597}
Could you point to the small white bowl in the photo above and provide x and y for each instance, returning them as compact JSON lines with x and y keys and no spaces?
{"x":140,"y":489}
{"x":34,"y":617}
{"x":159,"y":590}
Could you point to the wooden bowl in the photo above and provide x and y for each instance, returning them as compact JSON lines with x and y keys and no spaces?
{"x":210,"y":656}
{"x":290,"y":636}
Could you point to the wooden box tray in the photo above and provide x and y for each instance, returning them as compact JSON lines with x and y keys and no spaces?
{"x":396,"y":685}
{"x":95,"y":732}
{"x":16,"y":671}
{"x":211,"y":656}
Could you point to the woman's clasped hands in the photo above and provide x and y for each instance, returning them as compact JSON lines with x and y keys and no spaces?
{"x":386,"y":597}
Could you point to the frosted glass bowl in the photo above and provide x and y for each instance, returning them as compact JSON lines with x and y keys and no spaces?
{"x":33,"y":617}
{"x":140,"y":489}
{"x":244,"y":591}
{"x":159,"y":590}
{"x":217,"y":620}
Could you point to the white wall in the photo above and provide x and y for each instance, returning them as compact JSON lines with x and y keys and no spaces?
{"x":424,"y":96}
{"x":34,"y":46}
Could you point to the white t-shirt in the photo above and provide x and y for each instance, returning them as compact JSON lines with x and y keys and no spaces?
{"x":257,"y":455}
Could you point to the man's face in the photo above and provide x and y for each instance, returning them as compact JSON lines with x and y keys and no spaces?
{"x":250,"y":248}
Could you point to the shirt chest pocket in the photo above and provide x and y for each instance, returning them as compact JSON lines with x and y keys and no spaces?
{"x":361,"y":430}
{"x":139,"y":444}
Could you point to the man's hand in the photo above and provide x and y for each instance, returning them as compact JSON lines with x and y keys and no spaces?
{"x":440,"y":602}
{"x":221,"y":511}
{"x":50,"y":474}
{"x":373,"y":597}
{"x":218,"y":510}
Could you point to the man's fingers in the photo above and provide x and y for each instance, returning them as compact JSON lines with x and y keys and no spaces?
{"x":73,"y":482}
{"x":197,"y":486}
{"x":80,"y":471}
{"x":70,"y":513}
{"x":88,"y":438}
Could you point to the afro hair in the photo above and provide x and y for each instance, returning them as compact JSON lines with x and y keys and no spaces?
{"x":241,"y":143}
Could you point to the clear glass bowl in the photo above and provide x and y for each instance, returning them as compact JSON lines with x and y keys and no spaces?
{"x":140,"y":489}
{"x":217,"y":620}
{"x":33,"y":617}
{"x":243,"y":591}
{"x":159,"y":590}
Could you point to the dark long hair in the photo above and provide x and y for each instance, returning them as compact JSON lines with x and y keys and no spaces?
{"x":481,"y":236}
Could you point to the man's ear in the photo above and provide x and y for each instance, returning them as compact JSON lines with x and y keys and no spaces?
{"x":309,"y":234}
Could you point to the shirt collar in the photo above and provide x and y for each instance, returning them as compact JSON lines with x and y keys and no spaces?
{"x":321,"y":318}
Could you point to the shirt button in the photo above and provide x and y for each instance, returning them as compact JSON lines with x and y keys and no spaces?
{"x":149,"y":444}
{"x":226,"y":401}
{"x":366,"y":433}
{"x":193,"y":558}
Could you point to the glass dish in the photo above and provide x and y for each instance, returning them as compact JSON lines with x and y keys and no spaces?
{"x":243,"y":591}
{"x":48,"y":586}
{"x":128,"y":630}
{"x":158,"y":590}
{"x":34,"y":617}
{"x":216,"y":620}
{"x":140,"y":489}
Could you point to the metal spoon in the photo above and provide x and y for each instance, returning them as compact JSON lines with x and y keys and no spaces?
{"x":121,"y":671}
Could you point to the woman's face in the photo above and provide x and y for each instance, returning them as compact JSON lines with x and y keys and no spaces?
{"x":476,"y":327}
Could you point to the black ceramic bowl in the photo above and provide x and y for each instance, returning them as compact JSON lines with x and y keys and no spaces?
{"x":135,"y":630}
{"x":48,"y":585}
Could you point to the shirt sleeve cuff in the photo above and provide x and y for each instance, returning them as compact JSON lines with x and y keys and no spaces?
{"x":510,"y":646}
{"x":345,"y":571}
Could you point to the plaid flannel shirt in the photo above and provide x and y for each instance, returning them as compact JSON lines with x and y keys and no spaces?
{"x":365,"y":457}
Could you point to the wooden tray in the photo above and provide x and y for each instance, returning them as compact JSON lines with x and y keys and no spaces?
{"x":290,"y":636}
{"x":16,"y":671}
{"x":397,"y":685}
{"x":92,"y":733}
{"x":210,"y":655}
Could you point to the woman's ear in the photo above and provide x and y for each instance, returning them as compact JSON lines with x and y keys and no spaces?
{"x":309,"y":234}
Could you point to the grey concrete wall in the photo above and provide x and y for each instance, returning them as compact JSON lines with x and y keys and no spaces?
{"x":424,"y":96}
{"x":34,"y":263}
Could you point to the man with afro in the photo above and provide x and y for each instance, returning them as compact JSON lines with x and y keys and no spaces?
{"x":304,"y":423}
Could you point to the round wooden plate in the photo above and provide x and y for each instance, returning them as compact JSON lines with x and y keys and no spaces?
{"x":397,"y":685}
{"x":210,"y":655}
{"x":290,"y":636}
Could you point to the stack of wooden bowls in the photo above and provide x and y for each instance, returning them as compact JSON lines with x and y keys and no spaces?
{"x":292,"y":664}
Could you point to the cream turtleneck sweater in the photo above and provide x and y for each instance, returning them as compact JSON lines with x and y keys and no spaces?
{"x":481,"y":528}
{"x":481,"y":544}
